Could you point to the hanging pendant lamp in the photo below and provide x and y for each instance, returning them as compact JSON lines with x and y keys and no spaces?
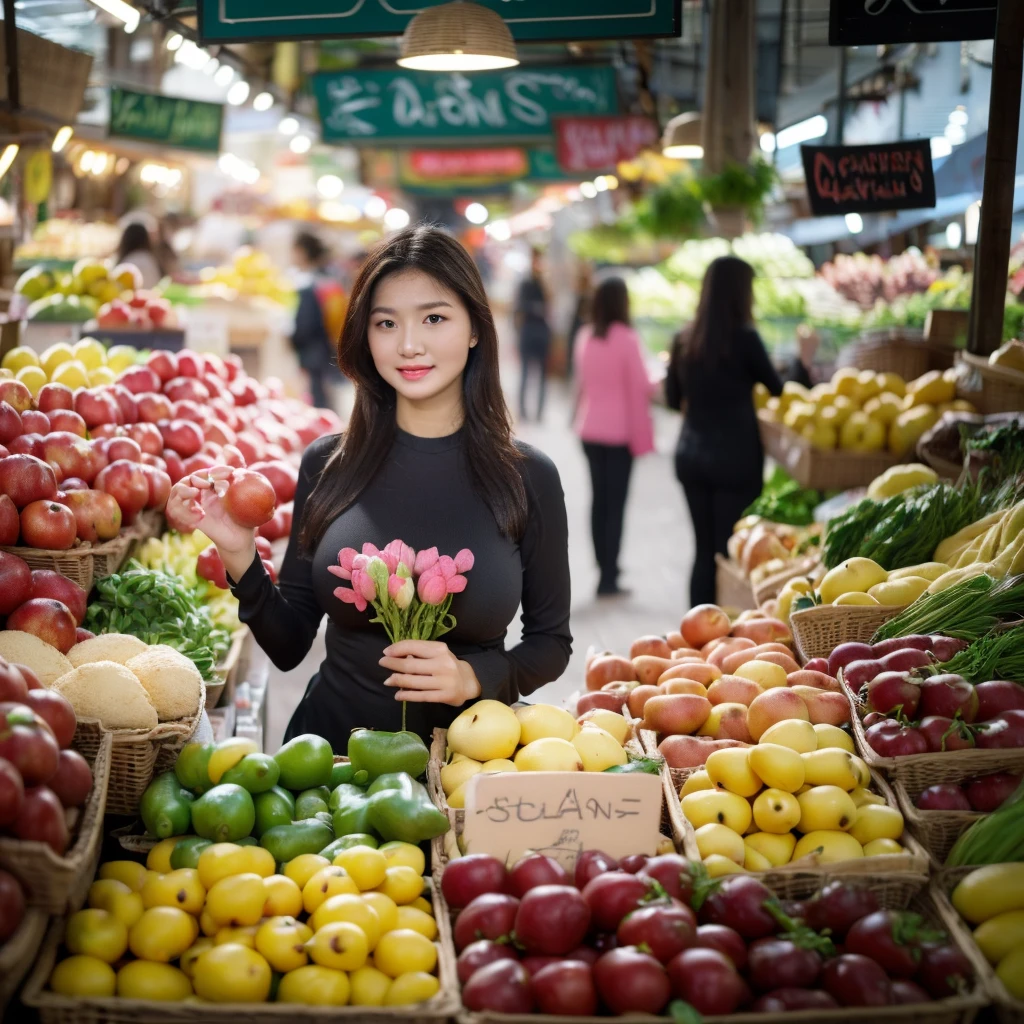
{"x":459,"y":36}
{"x":681,"y":139}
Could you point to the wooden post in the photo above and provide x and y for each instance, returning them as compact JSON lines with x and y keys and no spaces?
{"x":989,"y":299}
{"x":11,"y":57}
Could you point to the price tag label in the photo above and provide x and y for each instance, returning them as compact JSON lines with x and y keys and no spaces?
{"x":207,"y":330}
{"x":561,"y":814}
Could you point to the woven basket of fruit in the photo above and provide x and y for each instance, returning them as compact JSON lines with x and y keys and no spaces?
{"x":1002,"y":387}
{"x":83,"y":564}
{"x":817,"y":632}
{"x":19,"y":952}
{"x":56,"y":883}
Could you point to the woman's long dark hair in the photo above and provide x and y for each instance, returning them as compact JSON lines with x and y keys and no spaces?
{"x":610,"y":306}
{"x":726,"y":305}
{"x":491,"y":458}
{"x":134,"y":238}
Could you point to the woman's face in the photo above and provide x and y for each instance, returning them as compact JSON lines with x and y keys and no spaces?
{"x":420,"y":335}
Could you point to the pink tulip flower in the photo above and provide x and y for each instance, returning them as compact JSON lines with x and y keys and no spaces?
{"x":362,"y":584}
{"x":456,"y":585}
{"x":432,"y":589}
{"x":401,"y":590}
{"x":344,"y":567}
{"x":348,"y":596}
{"x":425,"y":559}
{"x":402,"y":554}
{"x":464,"y":560}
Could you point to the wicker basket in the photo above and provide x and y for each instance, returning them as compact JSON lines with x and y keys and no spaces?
{"x":83,"y":564}
{"x":224,"y":675}
{"x":894,"y":353}
{"x":833,"y":470}
{"x":732,"y":588}
{"x":59,"y":884}
{"x":818,"y":631}
{"x":919,"y":771}
{"x":771,"y":586}
{"x":1002,"y":389}
{"x":937,"y":831}
{"x":18,"y":954}
{"x":138,"y":754}
{"x":55,"y":1009}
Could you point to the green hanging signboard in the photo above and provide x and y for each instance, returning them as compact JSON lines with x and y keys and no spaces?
{"x":394,"y":106}
{"x":234,"y":21}
{"x":178,"y":123}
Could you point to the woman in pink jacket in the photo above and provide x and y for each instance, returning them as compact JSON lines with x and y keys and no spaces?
{"x":613,"y":418}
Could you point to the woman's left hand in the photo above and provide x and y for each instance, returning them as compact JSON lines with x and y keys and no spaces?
{"x":427,"y":671}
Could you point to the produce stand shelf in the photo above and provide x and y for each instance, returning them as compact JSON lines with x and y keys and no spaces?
{"x":833,"y":470}
{"x":19,"y":952}
{"x":817,"y":632}
{"x":225,"y":675}
{"x":57,"y":884}
{"x":82,"y":565}
{"x":732,"y":588}
{"x":56,"y":1009}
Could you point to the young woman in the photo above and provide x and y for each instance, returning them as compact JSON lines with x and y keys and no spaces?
{"x":136,"y":247}
{"x":428,"y":457}
{"x":613,"y":418}
{"x":714,"y":365}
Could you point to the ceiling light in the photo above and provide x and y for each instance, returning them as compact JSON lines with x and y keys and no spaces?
{"x":300,"y":144}
{"x":954,"y":235}
{"x":941,"y":147}
{"x":122,"y":11}
{"x":62,"y":138}
{"x":263,"y":101}
{"x":288,"y":126}
{"x":174,"y":41}
{"x":972,"y":221}
{"x":854,"y":223}
{"x":600,"y":184}
{"x":99,"y":165}
{"x":803,"y":131}
{"x":588,"y":189}
{"x":330,"y":186}
{"x":211,"y":66}
{"x":396,"y":218}
{"x":959,"y":116}
{"x":611,"y":181}
{"x":459,"y":36}
{"x":681,"y":139}
{"x":238,"y":93}
{"x":767,"y":142}
{"x":375,"y":207}
{"x":225,"y":74}
{"x":477,"y":213}
{"x":122,"y":165}
{"x":7,"y":158}
{"x":499,"y":230}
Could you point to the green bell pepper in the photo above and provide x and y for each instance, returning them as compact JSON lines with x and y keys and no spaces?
{"x":350,"y":809}
{"x":381,"y":753}
{"x":399,"y":808}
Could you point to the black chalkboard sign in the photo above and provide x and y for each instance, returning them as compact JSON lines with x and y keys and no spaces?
{"x":869,"y":179}
{"x":874,"y":22}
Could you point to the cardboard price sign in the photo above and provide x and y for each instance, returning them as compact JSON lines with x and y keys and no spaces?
{"x":561,"y":814}
{"x":869,"y":179}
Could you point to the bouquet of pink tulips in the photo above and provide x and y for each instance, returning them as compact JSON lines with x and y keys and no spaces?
{"x":411,"y":591}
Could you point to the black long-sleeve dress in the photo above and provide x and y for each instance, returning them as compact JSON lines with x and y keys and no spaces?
{"x":422,"y":494}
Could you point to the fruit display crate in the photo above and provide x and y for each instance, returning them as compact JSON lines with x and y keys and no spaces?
{"x":137,"y":754}
{"x":937,"y":831}
{"x":19,"y":952}
{"x":225,"y":675}
{"x":958,"y":1009}
{"x":732,"y":588}
{"x":908,"y":355}
{"x":1002,"y":388}
{"x":818,"y":631}
{"x":919,"y":771}
{"x":895,"y":878}
{"x":58,"y":884}
{"x":83,"y":564}
{"x":819,"y":469}
{"x":771,"y":586}
{"x":170,"y":339}
{"x":55,"y":1009}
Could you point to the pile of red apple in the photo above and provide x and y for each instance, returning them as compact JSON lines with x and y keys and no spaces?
{"x":77,"y":466}
{"x":683,"y":685}
{"x":982,"y":795}
{"x":910,"y":711}
{"x":635,"y":936}
{"x":140,"y":310}
{"x":41,"y":778}
{"x":42,"y":602}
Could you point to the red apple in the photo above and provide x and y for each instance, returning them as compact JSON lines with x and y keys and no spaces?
{"x":10,"y":423}
{"x":27,"y":444}
{"x":47,"y":583}
{"x":35,"y":422}
{"x":42,"y":820}
{"x":72,"y":782}
{"x":70,"y":483}
{"x":68,"y":453}
{"x":52,"y":397}
{"x":139,"y":379}
{"x":197,"y":462}
{"x":12,"y":794}
{"x":67,"y":421}
{"x":47,"y":619}
{"x":56,"y":711}
{"x":250,"y":498}
{"x":47,"y":524}
{"x":15,"y":582}
{"x":191,"y":364}
{"x":187,"y":409}
{"x":159,"y":486}
{"x":126,"y":403}
{"x":15,"y":394}
{"x":283,"y":478}
{"x":10,"y":523}
{"x":175,"y":465}
{"x":147,"y":436}
{"x":231,"y":456}
{"x":182,"y":436}
{"x":97,"y":515}
{"x":232,"y":366}
{"x":163,"y":364}
{"x":96,"y":406}
{"x":127,"y":482}
{"x":123,"y":448}
{"x":182,"y":388}
{"x":153,"y":408}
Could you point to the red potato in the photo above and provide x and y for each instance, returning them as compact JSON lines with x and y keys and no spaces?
{"x":824,"y":706}
{"x":733,"y":690}
{"x":713,"y":645}
{"x":675,"y":640}
{"x":649,"y":669}
{"x":607,"y":669}
{"x":701,"y":672}
{"x":818,"y":680}
{"x":773,"y":706}
{"x":691,"y":751}
{"x":684,"y":653}
{"x":683,"y":686}
{"x":763,"y":631}
{"x":676,"y":714}
{"x":639,"y":697}
{"x":703,"y":623}
{"x":654,"y":646}
{"x":601,"y":699}
{"x":750,"y":615}
{"x":720,"y":654}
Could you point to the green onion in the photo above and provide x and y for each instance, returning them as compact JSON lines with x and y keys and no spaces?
{"x":999,"y":655}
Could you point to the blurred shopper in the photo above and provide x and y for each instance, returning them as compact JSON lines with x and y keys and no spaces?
{"x":613,"y":418}
{"x":531,"y":319}
{"x":715,"y":363}
{"x":319,"y":318}
{"x":136,"y":247}
{"x":581,"y":314}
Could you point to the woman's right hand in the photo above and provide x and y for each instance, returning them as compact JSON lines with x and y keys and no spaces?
{"x":195,"y":504}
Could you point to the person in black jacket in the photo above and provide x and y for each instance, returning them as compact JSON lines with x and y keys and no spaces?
{"x":715,"y":363}
{"x":531,"y":319}
{"x":311,"y":337}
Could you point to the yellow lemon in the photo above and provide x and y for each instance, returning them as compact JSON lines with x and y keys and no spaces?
{"x":244,"y":936}
{"x":33,"y":377}
{"x":418,"y":921}
{"x":188,"y":959}
{"x":140,"y":979}
{"x":221,"y":860}
{"x":101,"y":375}
{"x":72,"y":374}
{"x":259,"y":861}
{"x":232,"y":974}
{"x":352,"y":909}
{"x":115,"y":897}
{"x":284,"y":897}
{"x":369,"y":986}
{"x":53,"y":356}
{"x":327,"y":882}
{"x":366,"y":866}
{"x":83,"y":977}
{"x":340,"y":945}
{"x":207,"y":925}
{"x":96,"y":933}
{"x":281,"y":942}
{"x":413,"y":987}
{"x":120,"y":357}
{"x":403,"y":950}
{"x":315,"y":985}
{"x":237,"y":901}
{"x":90,"y":353}
{"x":180,"y":888}
{"x":130,"y":872}
{"x":302,"y":868}
{"x":18,"y":358}
{"x":402,"y":884}
{"x":404,"y":854}
{"x":422,"y":904}
{"x":387,"y":909}
{"x":162,"y":934}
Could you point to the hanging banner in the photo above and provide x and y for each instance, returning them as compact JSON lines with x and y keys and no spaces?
{"x":600,"y":143}
{"x":181,"y":124}
{"x":223,"y":21}
{"x":869,"y":179}
{"x":392,"y":105}
{"x":476,"y":170}
{"x":880,"y":22}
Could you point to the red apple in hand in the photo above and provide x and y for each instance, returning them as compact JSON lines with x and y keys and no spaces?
{"x":249,"y":499}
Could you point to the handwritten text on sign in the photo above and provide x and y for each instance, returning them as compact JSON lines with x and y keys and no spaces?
{"x":599,"y":143}
{"x":875,"y":22}
{"x":183,"y":124}
{"x":869,"y":179}
{"x":561,"y":814}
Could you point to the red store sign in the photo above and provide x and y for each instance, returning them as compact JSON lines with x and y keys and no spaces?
{"x":599,"y":143}
{"x":441,"y":164}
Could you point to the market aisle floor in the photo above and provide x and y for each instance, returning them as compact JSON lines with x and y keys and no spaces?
{"x":656,"y":556}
